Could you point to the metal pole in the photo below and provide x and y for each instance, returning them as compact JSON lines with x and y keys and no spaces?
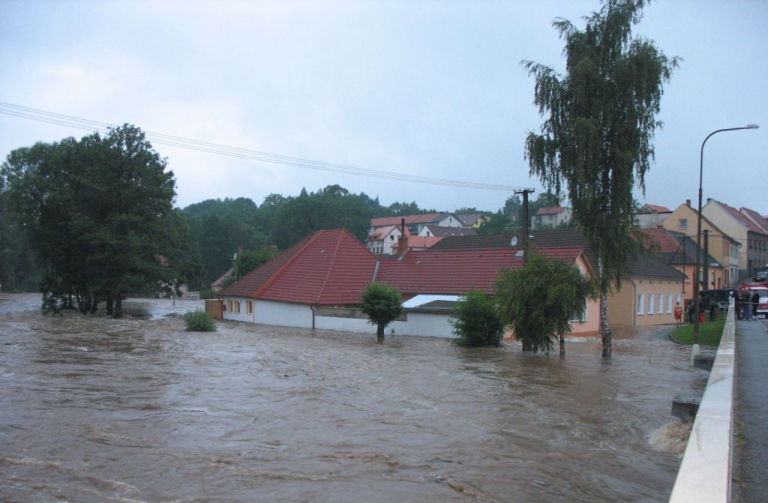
{"x":695,"y":350}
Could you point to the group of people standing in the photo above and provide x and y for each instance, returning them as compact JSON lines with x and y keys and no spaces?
{"x":746,"y":305}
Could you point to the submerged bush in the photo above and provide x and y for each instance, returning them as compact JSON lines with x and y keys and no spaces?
{"x":199,"y":321}
{"x":476,"y":322}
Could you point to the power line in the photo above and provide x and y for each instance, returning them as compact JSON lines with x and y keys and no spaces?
{"x":13,"y":110}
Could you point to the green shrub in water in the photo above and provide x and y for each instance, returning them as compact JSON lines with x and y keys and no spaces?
{"x":199,"y":321}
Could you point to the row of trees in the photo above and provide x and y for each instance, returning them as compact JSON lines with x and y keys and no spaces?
{"x":537,"y":302}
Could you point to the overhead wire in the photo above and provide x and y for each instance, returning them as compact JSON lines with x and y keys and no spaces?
{"x":11,"y":109}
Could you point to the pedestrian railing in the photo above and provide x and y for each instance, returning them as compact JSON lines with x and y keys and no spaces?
{"x":705,"y":473}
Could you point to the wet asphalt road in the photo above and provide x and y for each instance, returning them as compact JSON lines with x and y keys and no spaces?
{"x":751,"y":483}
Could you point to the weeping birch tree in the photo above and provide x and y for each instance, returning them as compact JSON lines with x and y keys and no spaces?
{"x":596,"y":141}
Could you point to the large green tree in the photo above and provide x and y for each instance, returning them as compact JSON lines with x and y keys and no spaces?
{"x":540,"y":300}
{"x":596,"y":139}
{"x":383,"y":304}
{"x":94,"y":210}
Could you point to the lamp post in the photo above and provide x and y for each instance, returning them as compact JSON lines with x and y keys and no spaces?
{"x":695,"y":350}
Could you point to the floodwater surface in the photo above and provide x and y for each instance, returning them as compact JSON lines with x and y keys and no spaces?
{"x":137,"y":410}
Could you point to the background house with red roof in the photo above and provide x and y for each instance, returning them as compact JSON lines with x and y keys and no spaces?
{"x":550,"y":218}
{"x":651,"y":215}
{"x":318,"y":282}
{"x":679,"y":251}
{"x":415,"y":223}
{"x":649,"y":290}
{"x":753,"y":236}
{"x":722,"y":246}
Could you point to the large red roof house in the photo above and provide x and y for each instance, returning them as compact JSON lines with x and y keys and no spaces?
{"x":318,"y":282}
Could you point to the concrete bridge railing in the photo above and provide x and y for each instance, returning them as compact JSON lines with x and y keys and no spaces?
{"x":705,"y":473}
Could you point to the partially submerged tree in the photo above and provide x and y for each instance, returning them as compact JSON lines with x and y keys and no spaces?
{"x":540,"y":300}
{"x":382,"y":304}
{"x":596,"y":140}
{"x":94,"y":210}
{"x":475,"y":321}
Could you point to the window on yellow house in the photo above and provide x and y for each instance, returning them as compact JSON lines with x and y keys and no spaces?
{"x":660,"y":306}
{"x":669,"y":303}
{"x":650,"y":304}
{"x":640,"y":304}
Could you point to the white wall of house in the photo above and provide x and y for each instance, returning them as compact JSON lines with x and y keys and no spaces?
{"x":650,"y":220}
{"x":450,"y":220}
{"x":428,"y":325}
{"x":283,"y":314}
{"x":231,"y":308}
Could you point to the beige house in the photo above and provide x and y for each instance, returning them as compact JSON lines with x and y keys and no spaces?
{"x":753,"y":253}
{"x":723,"y":246}
{"x":648,"y":295}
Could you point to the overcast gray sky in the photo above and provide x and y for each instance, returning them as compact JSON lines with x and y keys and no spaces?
{"x":422,"y":88}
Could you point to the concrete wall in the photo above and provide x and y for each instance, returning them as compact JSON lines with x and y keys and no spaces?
{"x":706,"y":470}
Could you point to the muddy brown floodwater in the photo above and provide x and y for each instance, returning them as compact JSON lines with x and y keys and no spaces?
{"x":93,"y":409}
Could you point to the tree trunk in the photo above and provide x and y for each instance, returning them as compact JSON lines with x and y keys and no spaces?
{"x":110,"y":306}
{"x":94,"y":306}
{"x":380,"y":332}
{"x":526,"y":345}
{"x":605,"y":330}
{"x":562,"y":344}
{"x":118,"y":308}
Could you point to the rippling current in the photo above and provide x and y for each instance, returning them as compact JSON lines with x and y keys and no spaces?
{"x":94,"y":409}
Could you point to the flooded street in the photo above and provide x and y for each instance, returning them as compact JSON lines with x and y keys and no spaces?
{"x":94,"y":409}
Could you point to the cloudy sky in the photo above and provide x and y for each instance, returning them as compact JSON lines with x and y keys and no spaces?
{"x":425,"y":88}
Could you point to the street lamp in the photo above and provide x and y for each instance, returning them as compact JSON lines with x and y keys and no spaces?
{"x":695,"y":350}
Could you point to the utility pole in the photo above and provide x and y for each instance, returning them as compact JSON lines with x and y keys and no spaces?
{"x":526,"y":218}
{"x":706,"y":259}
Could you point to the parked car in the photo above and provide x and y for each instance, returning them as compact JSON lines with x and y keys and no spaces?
{"x":761,"y":276}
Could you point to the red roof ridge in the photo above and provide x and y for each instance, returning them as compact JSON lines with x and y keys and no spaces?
{"x":330,"y":266}
{"x":277,"y":273}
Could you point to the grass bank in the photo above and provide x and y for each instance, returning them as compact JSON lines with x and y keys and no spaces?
{"x":709,"y":333}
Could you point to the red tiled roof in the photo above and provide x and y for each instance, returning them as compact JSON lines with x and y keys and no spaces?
{"x":457,"y":271}
{"x":756,"y":218}
{"x":327,"y":267}
{"x":661,"y":237}
{"x":550,"y":211}
{"x":746,"y":222}
{"x":421,"y":242}
{"x":654,"y":208}
{"x":409,"y":219}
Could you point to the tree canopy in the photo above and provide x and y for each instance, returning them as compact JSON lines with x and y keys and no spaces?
{"x":475,"y":320}
{"x":596,"y":139}
{"x":94,"y":211}
{"x":540,"y":300}
{"x":382,"y":304}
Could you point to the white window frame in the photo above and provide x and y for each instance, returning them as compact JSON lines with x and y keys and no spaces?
{"x":582,"y":318}
{"x":660,"y":304}
{"x":650,"y":303}
{"x":669,"y":303}
{"x":248,"y":307}
{"x":641,"y":304}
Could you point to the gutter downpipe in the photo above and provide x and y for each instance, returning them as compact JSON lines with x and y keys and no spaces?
{"x":313,"y":316}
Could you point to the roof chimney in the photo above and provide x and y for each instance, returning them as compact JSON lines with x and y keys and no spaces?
{"x":402,"y":243}
{"x":688,"y":202}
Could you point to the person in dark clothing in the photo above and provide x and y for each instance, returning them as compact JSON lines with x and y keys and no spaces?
{"x":690,"y":312}
{"x":755,"y":303}
{"x":712,"y":311}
